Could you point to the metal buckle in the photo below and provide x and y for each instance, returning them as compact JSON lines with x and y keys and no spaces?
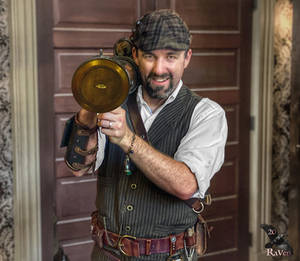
{"x":208,"y":200}
{"x":120,"y":244}
{"x":200,"y":210}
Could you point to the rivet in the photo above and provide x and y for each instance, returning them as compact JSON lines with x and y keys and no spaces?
{"x":129,"y":207}
{"x":127,"y":228}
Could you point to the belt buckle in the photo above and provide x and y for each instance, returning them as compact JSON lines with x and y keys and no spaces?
{"x":120,"y":244}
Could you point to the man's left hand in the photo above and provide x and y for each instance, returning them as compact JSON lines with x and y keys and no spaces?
{"x":114,"y":125}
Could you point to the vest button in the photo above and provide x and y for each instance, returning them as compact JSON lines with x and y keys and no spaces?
{"x":129,"y":207}
{"x":133,"y":186}
{"x":127,"y":228}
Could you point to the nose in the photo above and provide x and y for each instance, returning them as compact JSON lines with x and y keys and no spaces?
{"x":159,"y":67}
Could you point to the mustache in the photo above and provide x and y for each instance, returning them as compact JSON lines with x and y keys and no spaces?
{"x":164,"y":75}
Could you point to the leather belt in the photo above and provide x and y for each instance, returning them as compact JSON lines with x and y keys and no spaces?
{"x":132,"y":246}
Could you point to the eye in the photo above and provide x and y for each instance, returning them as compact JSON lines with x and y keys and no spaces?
{"x":172,"y":57}
{"x":148,"y":56}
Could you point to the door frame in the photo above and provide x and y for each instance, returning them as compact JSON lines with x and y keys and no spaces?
{"x":262,"y":125}
{"x":26,"y":146}
{"x":294,"y":197}
{"x":31,"y":67}
{"x":25,"y":131}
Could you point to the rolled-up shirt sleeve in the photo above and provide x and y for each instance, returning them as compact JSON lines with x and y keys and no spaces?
{"x":202,"y":149}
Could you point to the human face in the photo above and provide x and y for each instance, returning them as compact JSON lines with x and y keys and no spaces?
{"x":161,"y":70}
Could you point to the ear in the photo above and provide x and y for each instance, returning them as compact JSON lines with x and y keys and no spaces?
{"x":187,"y":58}
{"x":135,"y":55}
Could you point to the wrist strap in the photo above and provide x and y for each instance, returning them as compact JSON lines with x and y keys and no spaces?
{"x":75,"y":166}
{"x":78,"y":138}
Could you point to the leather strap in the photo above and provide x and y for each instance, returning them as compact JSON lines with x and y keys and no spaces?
{"x":197,"y":204}
{"x":75,"y":166}
{"x":135,"y":117}
{"x":86,"y":152}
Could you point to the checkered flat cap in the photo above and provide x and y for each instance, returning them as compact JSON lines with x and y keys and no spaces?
{"x":161,"y":29}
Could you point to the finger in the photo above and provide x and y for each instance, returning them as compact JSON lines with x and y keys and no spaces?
{"x":116,"y":112}
{"x":108,"y":131}
{"x":109,"y":116}
{"x":114,"y":135}
{"x":105,"y":124}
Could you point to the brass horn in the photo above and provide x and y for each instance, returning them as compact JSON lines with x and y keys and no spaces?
{"x":103,"y":83}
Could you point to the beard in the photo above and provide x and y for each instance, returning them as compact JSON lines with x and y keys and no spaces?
{"x":156,"y":91}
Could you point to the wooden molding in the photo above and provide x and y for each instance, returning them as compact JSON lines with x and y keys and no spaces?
{"x":294,"y":189}
{"x":261,"y":136}
{"x":26,"y":163}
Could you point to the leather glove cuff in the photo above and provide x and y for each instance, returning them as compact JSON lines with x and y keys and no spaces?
{"x":76,"y":137}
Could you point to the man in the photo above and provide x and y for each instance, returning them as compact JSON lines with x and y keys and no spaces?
{"x":144,"y":181}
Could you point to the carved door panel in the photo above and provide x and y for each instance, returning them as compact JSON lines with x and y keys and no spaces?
{"x":219,"y":69}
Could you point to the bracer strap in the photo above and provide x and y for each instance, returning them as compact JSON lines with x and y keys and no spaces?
{"x":77,"y":166}
{"x":78,"y":136}
{"x":86,"y":152}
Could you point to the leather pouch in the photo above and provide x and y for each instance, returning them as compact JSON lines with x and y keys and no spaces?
{"x":97,"y":230}
{"x":202,"y":235}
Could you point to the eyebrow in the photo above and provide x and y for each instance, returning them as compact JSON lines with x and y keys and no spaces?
{"x":173,"y":52}
{"x":168,"y":53}
{"x":148,"y":52}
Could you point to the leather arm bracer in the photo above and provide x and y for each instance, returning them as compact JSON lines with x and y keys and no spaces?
{"x":76,"y":137}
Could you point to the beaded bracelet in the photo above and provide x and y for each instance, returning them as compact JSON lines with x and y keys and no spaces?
{"x":130,"y":150}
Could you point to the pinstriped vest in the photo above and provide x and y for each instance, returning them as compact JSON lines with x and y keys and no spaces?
{"x":133,"y":205}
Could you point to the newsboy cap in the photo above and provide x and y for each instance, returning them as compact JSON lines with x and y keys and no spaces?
{"x":161,"y":29}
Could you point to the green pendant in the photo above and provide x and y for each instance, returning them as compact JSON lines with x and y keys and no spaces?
{"x":127,"y":169}
{"x":128,"y":172}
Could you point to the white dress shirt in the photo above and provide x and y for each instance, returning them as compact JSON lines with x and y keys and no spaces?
{"x":201,"y":149}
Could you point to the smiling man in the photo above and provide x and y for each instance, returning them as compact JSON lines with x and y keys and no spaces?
{"x":145,"y":180}
{"x":161,"y":71}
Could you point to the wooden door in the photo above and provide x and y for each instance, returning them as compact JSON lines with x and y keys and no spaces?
{"x":220,"y":70}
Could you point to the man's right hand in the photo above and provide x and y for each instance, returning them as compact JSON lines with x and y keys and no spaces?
{"x":87,"y":118}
